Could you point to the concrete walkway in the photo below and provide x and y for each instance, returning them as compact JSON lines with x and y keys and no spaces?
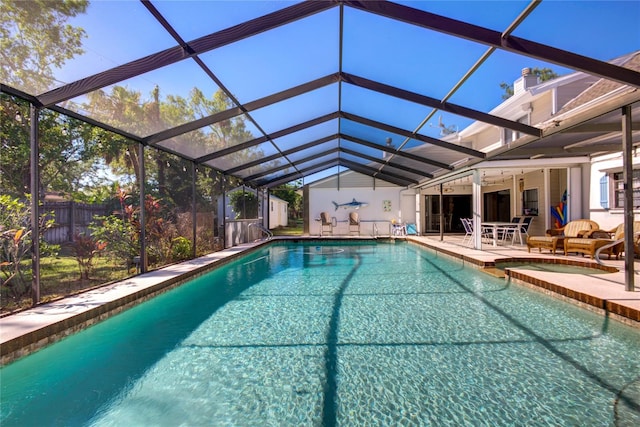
{"x":24,"y":332}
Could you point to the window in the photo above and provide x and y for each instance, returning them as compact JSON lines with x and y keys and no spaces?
{"x":512,"y":135}
{"x":530,"y":202}
{"x":617,"y":185}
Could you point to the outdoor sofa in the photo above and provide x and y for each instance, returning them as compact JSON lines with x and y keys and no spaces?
{"x":593,"y":240}
{"x":555,"y":237}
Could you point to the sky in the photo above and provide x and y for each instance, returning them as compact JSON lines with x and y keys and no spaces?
{"x":375,"y":47}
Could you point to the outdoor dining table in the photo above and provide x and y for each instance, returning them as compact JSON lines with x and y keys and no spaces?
{"x":497,"y":226}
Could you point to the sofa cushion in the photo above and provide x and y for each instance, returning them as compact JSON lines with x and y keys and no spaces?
{"x":574,"y":227}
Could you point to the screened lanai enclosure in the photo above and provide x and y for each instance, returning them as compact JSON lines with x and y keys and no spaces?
{"x":128,"y":127}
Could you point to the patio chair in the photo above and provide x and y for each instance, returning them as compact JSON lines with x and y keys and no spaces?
{"x":555,"y":237}
{"x":326,"y":224}
{"x":399,"y":229}
{"x":510,"y":232}
{"x":595,"y":239}
{"x":468,"y":230}
{"x":354,"y":223}
{"x":524,"y":227}
{"x":467,"y":223}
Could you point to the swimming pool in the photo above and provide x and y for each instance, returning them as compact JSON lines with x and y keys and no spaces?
{"x":314,"y":334}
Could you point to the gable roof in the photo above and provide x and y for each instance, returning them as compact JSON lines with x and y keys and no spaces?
{"x":603,"y":86}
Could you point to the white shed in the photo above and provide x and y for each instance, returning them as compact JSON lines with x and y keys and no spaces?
{"x":278,"y":212}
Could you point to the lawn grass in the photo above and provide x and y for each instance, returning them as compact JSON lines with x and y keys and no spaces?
{"x":60,"y":276}
{"x":293,"y":229}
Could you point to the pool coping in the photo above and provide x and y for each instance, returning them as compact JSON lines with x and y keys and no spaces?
{"x":27,"y":331}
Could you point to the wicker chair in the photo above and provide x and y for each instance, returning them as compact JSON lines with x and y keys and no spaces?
{"x":595,"y":239}
{"x":555,"y":238}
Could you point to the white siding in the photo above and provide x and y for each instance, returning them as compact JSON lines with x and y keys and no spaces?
{"x":399,"y":200}
{"x":607,"y":218}
{"x":278,"y":215}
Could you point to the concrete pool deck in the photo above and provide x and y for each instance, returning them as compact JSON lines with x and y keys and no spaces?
{"x":24,"y":332}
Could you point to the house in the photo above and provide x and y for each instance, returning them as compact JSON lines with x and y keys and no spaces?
{"x":606,"y":172}
{"x":581,"y":173}
{"x":579,"y":170}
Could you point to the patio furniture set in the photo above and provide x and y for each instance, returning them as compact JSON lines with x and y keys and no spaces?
{"x":584,"y":236}
{"x":496,"y":232}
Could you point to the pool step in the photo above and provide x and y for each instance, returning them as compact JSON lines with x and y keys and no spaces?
{"x":495,"y":272}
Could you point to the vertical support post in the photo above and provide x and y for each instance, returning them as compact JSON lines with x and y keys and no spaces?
{"x":417,"y":212}
{"x":223,"y":190}
{"x":306,"y":210}
{"x":266,"y":208}
{"x":547,"y":197}
{"x":143,"y":213}
{"x":627,"y":159}
{"x":515,"y":194}
{"x":244,"y":203}
{"x":35,"y":204}
{"x":476,"y":202}
{"x":194,"y":211}
{"x":441,"y":203}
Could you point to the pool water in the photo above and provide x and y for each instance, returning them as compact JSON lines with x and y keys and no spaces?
{"x":550,"y":267}
{"x":336,"y":335}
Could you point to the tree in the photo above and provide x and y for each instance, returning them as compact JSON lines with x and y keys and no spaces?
{"x":14,"y":151}
{"x":543,"y":74}
{"x":35,"y":39}
{"x":67,"y":151}
{"x":244,"y":204}
{"x":166,"y":173}
{"x":75,"y":157}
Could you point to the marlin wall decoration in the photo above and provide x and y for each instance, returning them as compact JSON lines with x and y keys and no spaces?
{"x":353,"y":205}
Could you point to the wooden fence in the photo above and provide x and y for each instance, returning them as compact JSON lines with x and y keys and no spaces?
{"x":70,"y":218}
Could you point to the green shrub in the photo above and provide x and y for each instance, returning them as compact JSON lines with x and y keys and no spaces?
{"x":180,"y":248}
{"x":120,"y":236}
{"x":15,"y":247}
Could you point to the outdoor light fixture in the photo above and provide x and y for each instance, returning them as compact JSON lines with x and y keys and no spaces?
{"x":18,"y":117}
